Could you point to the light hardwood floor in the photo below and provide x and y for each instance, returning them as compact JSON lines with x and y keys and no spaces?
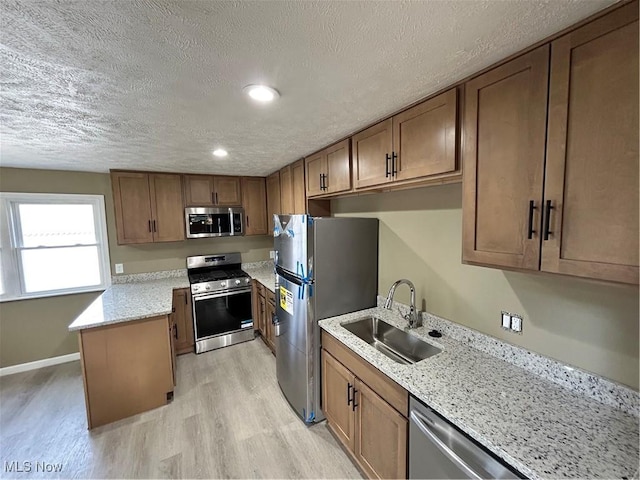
{"x":228,"y":419}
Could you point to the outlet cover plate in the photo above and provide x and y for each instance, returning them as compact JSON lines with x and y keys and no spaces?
{"x":119,"y":268}
{"x":506,"y":320}
{"x":516,"y":323}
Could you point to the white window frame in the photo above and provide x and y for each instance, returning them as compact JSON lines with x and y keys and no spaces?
{"x":12,"y":277}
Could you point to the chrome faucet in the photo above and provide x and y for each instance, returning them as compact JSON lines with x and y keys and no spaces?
{"x":412,"y":317}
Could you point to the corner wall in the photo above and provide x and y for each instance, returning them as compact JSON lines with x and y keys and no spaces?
{"x":592,"y":325}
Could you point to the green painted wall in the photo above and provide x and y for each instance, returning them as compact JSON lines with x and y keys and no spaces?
{"x":589,"y":324}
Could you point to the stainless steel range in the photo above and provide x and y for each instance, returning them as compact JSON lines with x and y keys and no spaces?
{"x":221,"y":294}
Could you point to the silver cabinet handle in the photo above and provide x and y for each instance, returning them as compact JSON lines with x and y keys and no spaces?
{"x":421,"y":423}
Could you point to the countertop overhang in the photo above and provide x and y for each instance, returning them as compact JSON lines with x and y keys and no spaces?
{"x":127,"y":302}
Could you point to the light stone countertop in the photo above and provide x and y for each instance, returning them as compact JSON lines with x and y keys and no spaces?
{"x":125,"y":302}
{"x":262,"y":272}
{"x":541,"y":428}
{"x":146,"y":295}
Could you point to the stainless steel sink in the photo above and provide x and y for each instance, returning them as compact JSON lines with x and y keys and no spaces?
{"x":393,"y":342}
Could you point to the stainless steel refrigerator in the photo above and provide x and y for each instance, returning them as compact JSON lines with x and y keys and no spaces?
{"x":324,"y":267}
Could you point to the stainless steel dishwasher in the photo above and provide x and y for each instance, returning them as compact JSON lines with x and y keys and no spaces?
{"x":437,"y":449}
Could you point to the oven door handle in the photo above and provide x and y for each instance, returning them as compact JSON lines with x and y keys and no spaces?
{"x":197,"y":297}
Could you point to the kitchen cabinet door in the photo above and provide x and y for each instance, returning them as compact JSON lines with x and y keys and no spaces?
{"x":227,"y":191}
{"x":172,"y":340}
{"x":198,"y":190}
{"x":132,"y":202}
{"x":273,"y":198}
{"x":183,"y":321}
{"x":255,"y":305}
{"x":270,"y":310}
{"x":316,"y":166}
{"x":286,"y":191}
{"x":592,"y":151}
{"x":424,"y":138}
{"x":337,"y":387}
{"x":372,"y":149}
{"x":254,"y":201}
{"x":298,"y":187}
{"x":381,"y":435}
{"x":338,"y":169}
{"x":504,"y":153}
{"x":167,"y":207}
{"x":209,"y":191}
{"x":126,"y":367}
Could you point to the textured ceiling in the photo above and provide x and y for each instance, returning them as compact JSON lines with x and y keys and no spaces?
{"x":156,"y":85}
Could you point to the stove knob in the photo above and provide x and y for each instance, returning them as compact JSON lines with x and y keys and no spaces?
{"x":237,"y":282}
{"x":207,"y":287}
{"x":247,"y":280}
{"x":223,"y":284}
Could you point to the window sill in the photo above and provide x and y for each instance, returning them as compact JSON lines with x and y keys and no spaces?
{"x":98,"y":288}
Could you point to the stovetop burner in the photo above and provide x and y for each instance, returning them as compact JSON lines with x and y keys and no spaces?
{"x":215,"y":275}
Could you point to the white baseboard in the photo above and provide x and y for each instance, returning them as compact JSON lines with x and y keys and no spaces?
{"x":45,"y":362}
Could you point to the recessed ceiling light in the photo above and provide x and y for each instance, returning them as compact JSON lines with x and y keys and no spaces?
{"x":220,"y":152}
{"x":261,"y":93}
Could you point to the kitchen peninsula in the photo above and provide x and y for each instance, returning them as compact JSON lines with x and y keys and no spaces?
{"x":126,"y":349}
{"x":126,"y":341}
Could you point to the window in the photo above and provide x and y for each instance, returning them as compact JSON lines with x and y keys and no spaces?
{"x":52,"y":244}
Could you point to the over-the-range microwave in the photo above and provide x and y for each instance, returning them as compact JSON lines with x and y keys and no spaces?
{"x":214,"y":222}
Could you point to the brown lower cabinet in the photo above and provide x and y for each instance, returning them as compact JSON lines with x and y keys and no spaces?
{"x":366,"y":410}
{"x":270,"y":311}
{"x":263,"y":309}
{"x":127,"y":368}
{"x":182,"y":321}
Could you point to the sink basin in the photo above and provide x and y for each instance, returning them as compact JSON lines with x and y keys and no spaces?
{"x":391,"y":341}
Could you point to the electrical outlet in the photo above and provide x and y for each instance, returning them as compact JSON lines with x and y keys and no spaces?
{"x":506,"y":320}
{"x":516,"y":323}
{"x":119,"y":268}
{"x":272,"y":254}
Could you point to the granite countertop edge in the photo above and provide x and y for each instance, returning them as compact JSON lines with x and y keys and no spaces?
{"x":140,"y":296}
{"x":497,"y":404}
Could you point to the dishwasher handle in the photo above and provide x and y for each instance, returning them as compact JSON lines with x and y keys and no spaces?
{"x":422,"y":423}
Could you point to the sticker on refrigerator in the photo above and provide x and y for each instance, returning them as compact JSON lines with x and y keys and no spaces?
{"x":286,"y":300}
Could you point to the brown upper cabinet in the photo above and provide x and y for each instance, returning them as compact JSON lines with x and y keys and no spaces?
{"x":591,"y":181}
{"x":298,"y":187}
{"x":586,"y":224}
{"x":148,"y":207}
{"x":504,"y":135}
{"x":254,"y":201}
{"x":208,"y":191}
{"x":417,"y":143}
{"x":286,"y":191}
{"x":329,"y":171}
{"x":273,"y":198}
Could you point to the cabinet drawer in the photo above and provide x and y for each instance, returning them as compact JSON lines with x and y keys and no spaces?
{"x":270,"y":296}
{"x":386,"y":388}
